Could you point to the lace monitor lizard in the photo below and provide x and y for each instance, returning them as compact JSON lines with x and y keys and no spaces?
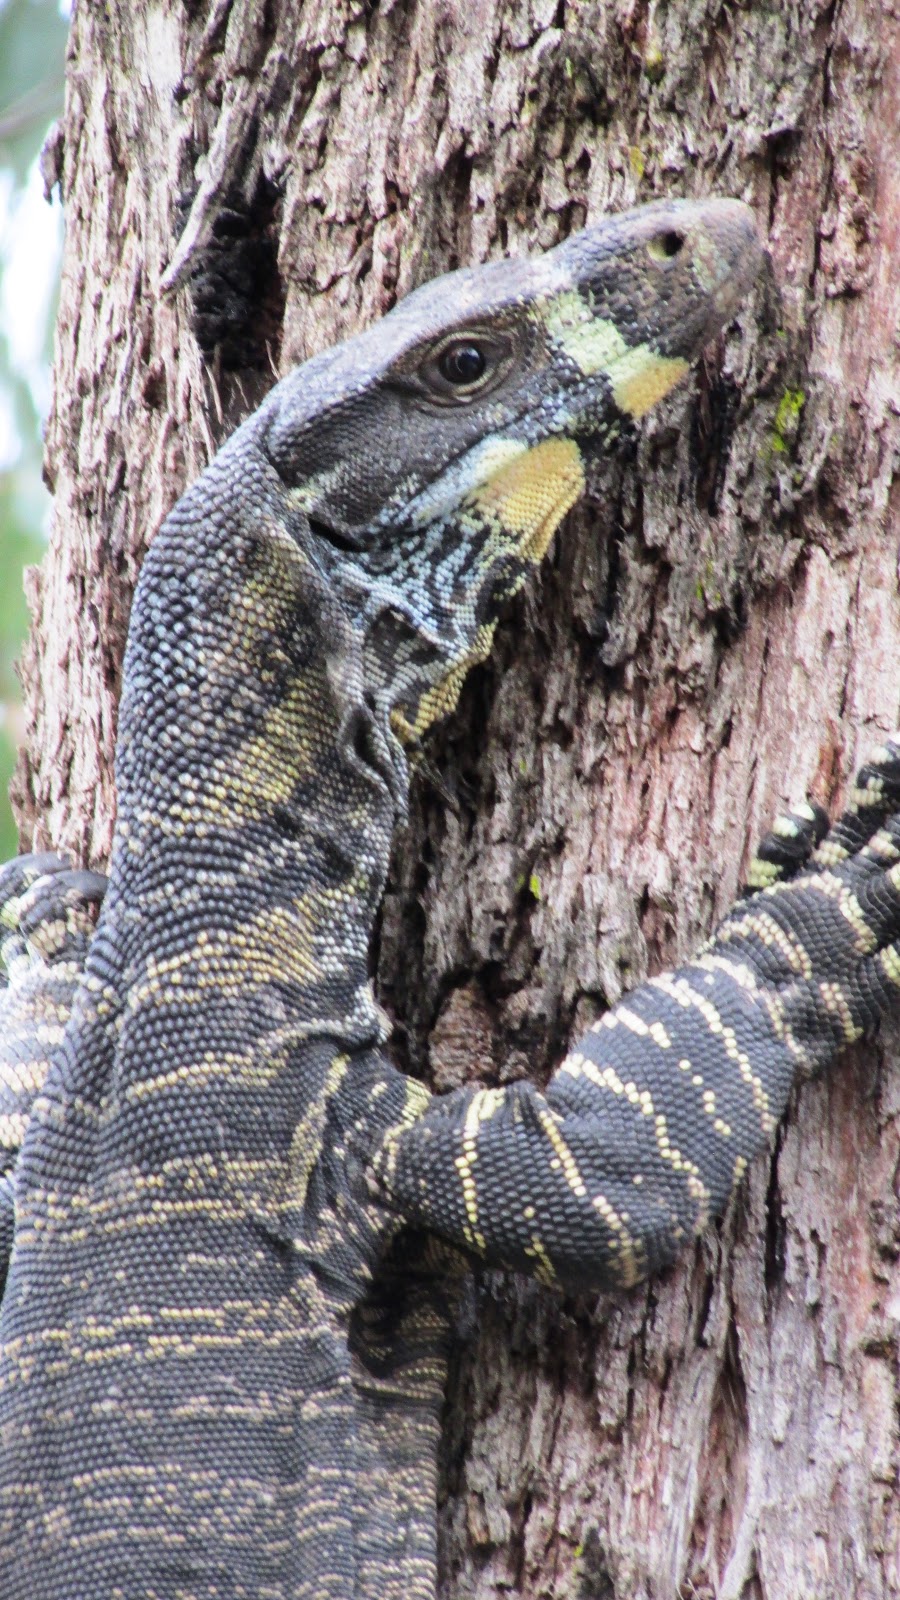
{"x":228,"y":1301}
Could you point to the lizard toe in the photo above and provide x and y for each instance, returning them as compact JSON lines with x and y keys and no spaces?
{"x":788,"y":846}
{"x":875,"y":795}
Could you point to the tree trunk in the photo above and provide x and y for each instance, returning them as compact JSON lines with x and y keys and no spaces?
{"x":717,"y":632}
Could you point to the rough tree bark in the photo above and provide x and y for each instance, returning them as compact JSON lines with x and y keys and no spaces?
{"x":716,"y":633}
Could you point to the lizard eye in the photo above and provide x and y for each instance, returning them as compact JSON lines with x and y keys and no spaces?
{"x":462,"y":363}
{"x":463,"y":368}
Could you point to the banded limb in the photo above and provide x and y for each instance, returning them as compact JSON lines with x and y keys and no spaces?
{"x":47,"y":915}
{"x":800,"y":839}
{"x":652,"y":1119}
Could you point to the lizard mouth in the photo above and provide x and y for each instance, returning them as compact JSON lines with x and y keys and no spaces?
{"x":606,"y":325}
{"x":336,"y":534}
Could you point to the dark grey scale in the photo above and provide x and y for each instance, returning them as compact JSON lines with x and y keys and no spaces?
{"x":618,"y":1146}
{"x":878,"y":894}
{"x":23,"y":872}
{"x":273,"y":1419}
{"x":64,"y":903}
{"x":707,"y":1057}
{"x":49,"y":909}
{"x":787,"y":847}
{"x":876,"y":792}
{"x":884,"y":844}
{"x":399,"y":1341}
{"x":584,"y":1249}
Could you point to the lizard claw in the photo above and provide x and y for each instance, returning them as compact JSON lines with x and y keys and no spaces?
{"x":787,"y":847}
{"x":874,"y":796}
{"x":825,"y":940}
{"x":802,"y":839}
{"x":47,"y":909}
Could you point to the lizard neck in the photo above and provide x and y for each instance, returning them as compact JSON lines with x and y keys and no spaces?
{"x":257,"y":793}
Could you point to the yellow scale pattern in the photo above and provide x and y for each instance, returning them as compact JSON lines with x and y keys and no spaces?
{"x":241,"y":1216}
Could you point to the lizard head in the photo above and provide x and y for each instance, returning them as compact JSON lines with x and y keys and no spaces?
{"x":430,"y":459}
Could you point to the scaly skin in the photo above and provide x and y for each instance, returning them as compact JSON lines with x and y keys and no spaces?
{"x":237,"y":1227}
{"x":46,"y":920}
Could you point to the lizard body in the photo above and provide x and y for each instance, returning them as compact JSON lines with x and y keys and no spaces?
{"x":228,"y":1303}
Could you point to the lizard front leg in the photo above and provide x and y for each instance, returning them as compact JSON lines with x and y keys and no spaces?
{"x":652,"y":1119}
{"x":47,"y":916}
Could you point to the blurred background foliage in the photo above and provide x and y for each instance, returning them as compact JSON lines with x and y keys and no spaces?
{"x":32,"y":55}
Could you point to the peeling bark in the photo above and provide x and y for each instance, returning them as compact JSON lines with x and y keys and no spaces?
{"x":717,"y":632}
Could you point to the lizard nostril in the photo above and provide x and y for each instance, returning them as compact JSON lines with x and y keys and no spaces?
{"x":666,"y":245}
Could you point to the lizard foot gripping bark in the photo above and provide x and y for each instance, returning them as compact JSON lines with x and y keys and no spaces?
{"x":237,"y":1228}
{"x":47,"y":916}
